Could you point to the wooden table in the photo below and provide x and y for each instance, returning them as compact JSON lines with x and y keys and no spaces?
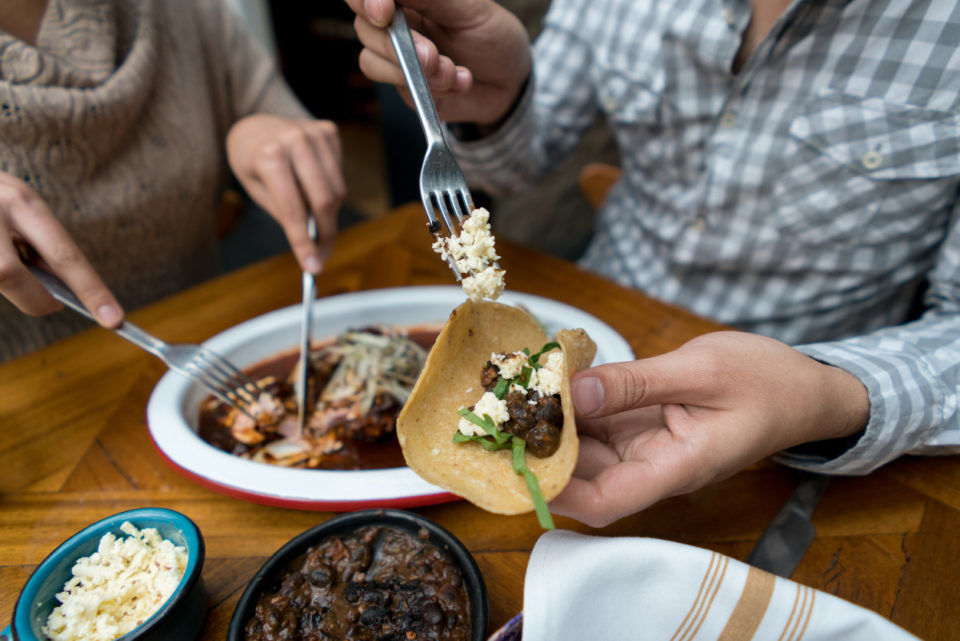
{"x":75,"y":449}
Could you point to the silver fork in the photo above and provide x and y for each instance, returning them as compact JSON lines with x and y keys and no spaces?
{"x":443,"y":187}
{"x":221,"y":378}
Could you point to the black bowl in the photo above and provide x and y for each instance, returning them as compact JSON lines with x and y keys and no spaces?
{"x":278,"y":564}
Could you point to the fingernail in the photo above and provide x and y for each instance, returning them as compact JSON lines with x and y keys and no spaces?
{"x":313,"y":264}
{"x":463,"y":77}
{"x":587,"y":395}
{"x":108,"y":314}
{"x":423,"y":51}
{"x":374,"y":11}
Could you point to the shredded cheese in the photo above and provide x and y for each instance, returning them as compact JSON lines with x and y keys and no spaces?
{"x":118,"y":587}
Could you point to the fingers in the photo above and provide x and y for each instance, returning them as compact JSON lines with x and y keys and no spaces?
{"x":24,"y":215}
{"x":316,"y":164}
{"x":377,"y":12}
{"x":20,"y":288}
{"x":615,"y":492}
{"x":681,"y":376}
{"x":378,"y":61}
{"x":594,"y":457}
{"x":275,"y":172}
{"x":292,"y":168}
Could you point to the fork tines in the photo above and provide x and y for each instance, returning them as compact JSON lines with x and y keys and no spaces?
{"x":225,"y":381}
{"x":454,"y":207}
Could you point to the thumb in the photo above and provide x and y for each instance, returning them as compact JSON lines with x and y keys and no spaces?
{"x":618,"y":387}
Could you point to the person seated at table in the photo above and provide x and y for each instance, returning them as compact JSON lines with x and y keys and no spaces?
{"x":789,"y":169}
{"x":120,"y":122}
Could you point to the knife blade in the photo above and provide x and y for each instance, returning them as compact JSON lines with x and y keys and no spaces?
{"x":786,"y":539}
{"x":309,"y":294}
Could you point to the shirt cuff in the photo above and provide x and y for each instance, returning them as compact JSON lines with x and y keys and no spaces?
{"x":501,"y":154}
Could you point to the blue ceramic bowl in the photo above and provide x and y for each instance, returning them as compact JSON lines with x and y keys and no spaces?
{"x":179,"y":619}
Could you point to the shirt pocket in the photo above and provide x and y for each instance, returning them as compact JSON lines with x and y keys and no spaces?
{"x":864,"y":171}
{"x":642,"y":120}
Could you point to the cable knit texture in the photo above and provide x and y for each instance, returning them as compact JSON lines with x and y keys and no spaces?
{"x":117,"y":118}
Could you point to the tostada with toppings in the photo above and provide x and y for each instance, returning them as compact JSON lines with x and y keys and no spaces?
{"x":491,"y":418}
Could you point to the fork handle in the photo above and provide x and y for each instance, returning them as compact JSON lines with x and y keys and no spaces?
{"x":59,"y":290}
{"x":402,"y":41}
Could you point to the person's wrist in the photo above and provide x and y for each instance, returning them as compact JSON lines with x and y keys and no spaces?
{"x":847,"y":412}
{"x":851,"y":402}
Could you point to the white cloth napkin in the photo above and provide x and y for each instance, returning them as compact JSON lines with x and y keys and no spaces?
{"x":586,"y":588}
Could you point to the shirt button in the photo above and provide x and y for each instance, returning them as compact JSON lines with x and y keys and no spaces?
{"x":729,"y":17}
{"x":728,"y":120}
{"x":872,"y":159}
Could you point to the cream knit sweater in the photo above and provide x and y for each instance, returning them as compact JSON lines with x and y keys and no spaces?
{"x":118,"y":118}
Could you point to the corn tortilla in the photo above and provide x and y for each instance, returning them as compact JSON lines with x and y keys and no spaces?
{"x":451,"y":379}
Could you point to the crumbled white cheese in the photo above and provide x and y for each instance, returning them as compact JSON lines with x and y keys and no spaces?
{"x":546,"y":380}
{"x":473,"y":252}
{"x":490,"y":405}
{"x":488,"y":283}
{"x":118,"y":587}
{"x":510,"y":365}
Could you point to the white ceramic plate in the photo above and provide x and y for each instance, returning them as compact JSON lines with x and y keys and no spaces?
{"x":175,"y":402}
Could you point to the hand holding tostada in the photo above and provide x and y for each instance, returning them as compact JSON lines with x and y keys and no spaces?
{"x":841,"y":365}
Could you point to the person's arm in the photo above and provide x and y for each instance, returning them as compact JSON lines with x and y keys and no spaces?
{"x":671,"y":424}
{"x":288,"y":162}
{"x":912,"y":375}
{"x":547,"y":121}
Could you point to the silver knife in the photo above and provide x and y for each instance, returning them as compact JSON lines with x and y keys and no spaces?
{"x":309,"y":294}
{"x":785,"y":541}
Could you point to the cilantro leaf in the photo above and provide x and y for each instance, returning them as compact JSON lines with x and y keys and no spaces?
{"x":495,"y":440}
{"x":501,"y":388}
{"x":534,"y":359}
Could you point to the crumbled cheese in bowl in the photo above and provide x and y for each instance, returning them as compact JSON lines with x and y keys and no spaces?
{"x":118,"y":587}
{"x":473,"y":252}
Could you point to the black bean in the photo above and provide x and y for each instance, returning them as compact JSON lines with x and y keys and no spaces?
{"x":543,"y":440}
{"x":489,"y":376}
{"x":550,"y":412}
{"x":374,"y":615}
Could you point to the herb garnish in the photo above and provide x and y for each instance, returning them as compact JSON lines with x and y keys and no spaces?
{"x":502,"y":385}
{"x":495,"y":440}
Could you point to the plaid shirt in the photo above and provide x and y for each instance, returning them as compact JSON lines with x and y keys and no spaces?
{"x":805,"y":197}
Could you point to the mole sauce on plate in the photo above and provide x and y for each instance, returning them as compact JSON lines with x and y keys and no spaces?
{"x":378,"y":583}
{"x":378,"y":449}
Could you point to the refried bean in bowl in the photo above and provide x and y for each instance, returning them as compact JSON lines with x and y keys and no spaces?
{"x":375,"y":575}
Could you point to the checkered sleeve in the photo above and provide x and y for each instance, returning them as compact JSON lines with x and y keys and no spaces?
{"x":551,"y":115}
{"x":912,"y":376}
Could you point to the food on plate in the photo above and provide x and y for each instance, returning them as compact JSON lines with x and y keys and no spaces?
{"x":357,"y":383}
{"x":474,"y":254}
{"x":493,"y":463}
{"x":375,"y":583}
{"x":118,"y":587}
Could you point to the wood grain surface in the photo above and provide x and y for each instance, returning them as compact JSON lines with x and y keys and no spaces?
{"x":75,"y":449}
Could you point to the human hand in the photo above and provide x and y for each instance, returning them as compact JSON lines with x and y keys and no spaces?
{"x":292,"y":168}
{"x":671,"y":424}
{"x":489,"y":44}
{"x":25,"y":217}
